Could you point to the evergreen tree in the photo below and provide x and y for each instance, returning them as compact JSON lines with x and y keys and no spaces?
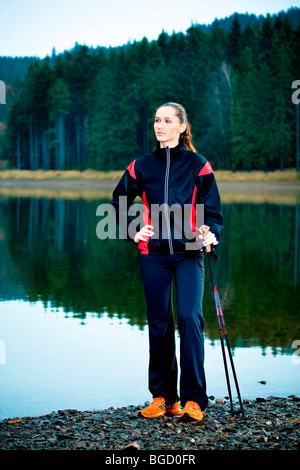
{"x":246,"y":117}
{"x":59,"y":102}
{"x":94,"y":107}
{"x":234,"y":42}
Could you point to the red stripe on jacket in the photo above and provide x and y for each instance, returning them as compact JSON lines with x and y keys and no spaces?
{"x":206,"y":170}
{"x":143,"y":246}
{"x":130,"y":168}
{"x":193,"y":212}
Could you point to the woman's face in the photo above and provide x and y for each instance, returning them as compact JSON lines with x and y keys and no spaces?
{"x":167,"y":126}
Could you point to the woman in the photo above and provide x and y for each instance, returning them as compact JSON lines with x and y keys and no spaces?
{"x":172,"y":176}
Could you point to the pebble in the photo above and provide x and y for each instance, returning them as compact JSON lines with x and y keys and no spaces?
{"x":268,"y":424}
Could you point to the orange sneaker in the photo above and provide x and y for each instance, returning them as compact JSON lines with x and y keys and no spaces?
{"x":174,"y":410}
{"x":159,"y":407}
{"x":193,"y":410}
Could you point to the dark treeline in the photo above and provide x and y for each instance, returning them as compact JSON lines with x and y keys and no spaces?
{"x":93,"y":108}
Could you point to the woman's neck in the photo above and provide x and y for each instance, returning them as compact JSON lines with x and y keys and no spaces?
{"x":171,"y":145}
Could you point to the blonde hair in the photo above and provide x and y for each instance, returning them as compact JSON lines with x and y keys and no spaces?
{"x":182,"y":116}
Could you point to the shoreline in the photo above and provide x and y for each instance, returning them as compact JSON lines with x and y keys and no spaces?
{"x":256,"y":192}
{"x":78,"y":183}
{"x":242,"y":181}
{"x":268,"y":424}
{"x":287,"y":175}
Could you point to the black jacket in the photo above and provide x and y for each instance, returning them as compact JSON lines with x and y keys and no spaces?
{"x":170,"y":183}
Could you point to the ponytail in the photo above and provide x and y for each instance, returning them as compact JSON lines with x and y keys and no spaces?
{"x":187,"y":137}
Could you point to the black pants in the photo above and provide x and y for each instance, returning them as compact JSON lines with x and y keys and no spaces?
{"x":158,"y":272}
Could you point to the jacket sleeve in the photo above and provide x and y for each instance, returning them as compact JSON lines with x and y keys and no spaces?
{"x":208,"y":194}
{"x":123,"y":196}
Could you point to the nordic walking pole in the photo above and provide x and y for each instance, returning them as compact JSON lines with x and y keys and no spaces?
{"x":222,"y":328}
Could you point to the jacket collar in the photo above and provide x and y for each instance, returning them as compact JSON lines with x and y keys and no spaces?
{"x":174,"y":152}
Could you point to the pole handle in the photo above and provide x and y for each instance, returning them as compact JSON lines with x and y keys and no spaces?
{"x":204,"y":229}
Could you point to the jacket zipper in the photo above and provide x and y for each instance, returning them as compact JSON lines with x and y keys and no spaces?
{"x":166,"y":205}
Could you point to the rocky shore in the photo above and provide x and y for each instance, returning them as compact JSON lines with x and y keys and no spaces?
{"x":268,"y":424}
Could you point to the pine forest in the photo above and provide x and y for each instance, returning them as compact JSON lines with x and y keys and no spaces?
{"x":94,"y":107}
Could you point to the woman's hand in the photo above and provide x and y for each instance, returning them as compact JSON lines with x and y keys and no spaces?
{"x":144,"y":233}
{"x":209,"y":239}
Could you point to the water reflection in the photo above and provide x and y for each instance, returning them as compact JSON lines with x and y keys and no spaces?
{"x":50,"y":253}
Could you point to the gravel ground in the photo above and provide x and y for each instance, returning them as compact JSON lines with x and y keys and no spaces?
{"x":268,"y":424}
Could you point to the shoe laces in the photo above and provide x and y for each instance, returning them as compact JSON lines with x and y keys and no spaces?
{"x":159,"y":401}
{"x":193,"y":404}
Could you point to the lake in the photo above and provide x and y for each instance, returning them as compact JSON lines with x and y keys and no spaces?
{"x":73,"y":325}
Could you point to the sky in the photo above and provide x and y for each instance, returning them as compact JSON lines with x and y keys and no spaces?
{"x":35,"y":27}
